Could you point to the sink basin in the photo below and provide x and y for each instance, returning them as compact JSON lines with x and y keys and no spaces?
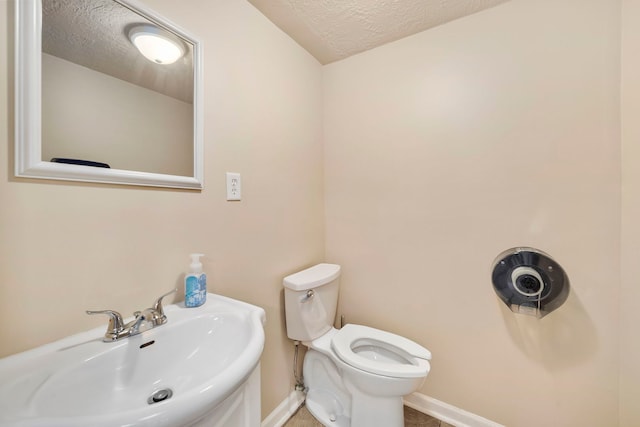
{"x":202,"y":355}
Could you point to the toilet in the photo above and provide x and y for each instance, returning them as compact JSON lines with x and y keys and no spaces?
{"x":354,"y":376}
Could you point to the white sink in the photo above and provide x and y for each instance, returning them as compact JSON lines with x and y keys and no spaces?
{"x":201,"y":354}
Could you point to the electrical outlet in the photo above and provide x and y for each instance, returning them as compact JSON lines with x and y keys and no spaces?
{"x":234,"y":186}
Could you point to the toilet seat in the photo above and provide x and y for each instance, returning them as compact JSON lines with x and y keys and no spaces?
{"x":394,"y":356}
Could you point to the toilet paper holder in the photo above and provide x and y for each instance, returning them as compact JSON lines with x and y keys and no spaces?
{"x":529,"y":281}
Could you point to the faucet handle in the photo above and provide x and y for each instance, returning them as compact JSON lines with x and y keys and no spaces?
{"x":116,"y":324}
{"x":157,"y":306}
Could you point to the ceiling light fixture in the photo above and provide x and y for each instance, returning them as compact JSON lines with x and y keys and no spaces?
{"x":155,"y":44}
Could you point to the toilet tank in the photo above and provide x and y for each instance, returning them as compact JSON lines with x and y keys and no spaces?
{"x":310,"y":301}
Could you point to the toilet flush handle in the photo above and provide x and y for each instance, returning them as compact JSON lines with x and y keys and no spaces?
{"x":310,"y":294}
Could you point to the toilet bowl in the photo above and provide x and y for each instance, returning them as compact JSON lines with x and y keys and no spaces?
{"x":355,"y":376}
{"x":380,"y":352}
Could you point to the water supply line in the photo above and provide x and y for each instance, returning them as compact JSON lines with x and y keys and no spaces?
{"x":299,"y":379}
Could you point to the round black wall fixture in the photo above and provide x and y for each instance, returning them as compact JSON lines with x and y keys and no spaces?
{"x":529,"y":281}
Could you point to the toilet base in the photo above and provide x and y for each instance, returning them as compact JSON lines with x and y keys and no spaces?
{"x":327,"y":398}
{"x":335,"y":401}
{"x":326,"y":409}
{"x":377,"y":411}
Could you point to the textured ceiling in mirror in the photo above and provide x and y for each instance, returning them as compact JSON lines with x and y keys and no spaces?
{"x":335,"y":29}
{"x":93,"y":33}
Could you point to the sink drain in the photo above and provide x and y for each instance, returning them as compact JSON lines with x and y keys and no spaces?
{"x":159,"y":396}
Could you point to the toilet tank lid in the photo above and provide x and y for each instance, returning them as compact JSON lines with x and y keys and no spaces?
{"x":312,"y":277}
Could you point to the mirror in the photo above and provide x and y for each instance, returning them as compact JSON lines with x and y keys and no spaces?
{"x":89,"y":105}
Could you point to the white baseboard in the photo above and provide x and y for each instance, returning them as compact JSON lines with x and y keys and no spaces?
{"x":445,"y":412}
{"x":420,"y":402}
{"x":284,"y":410}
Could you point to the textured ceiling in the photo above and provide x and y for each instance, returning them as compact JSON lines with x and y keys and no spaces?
{"x":93,"y":33}
{"x":335,"y":29}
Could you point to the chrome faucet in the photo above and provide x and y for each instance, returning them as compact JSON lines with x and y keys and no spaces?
{"x":144,"y":320}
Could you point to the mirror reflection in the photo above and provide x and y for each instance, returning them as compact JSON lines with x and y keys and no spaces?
{"x":104,"y":101}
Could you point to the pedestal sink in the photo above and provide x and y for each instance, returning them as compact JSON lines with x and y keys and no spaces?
{"x":201,"y":368}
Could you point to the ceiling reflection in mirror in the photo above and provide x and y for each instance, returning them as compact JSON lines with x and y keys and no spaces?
{"x":103,"y":101}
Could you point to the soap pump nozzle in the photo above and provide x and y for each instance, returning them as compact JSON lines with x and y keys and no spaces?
{"x":196,"y":265}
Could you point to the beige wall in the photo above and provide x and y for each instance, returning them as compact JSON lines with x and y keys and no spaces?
{"x":441,"y":150}
{"x":630,"y":291}
{"x":69,"y":247}
{"x":89,"y":115}
{"x":444,"y":149}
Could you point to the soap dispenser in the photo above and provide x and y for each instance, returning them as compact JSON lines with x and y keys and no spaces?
{"x":195,"y":283}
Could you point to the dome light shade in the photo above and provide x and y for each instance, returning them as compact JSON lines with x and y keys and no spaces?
{"x":156,"y":45}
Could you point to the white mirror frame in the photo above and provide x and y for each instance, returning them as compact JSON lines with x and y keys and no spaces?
{"x":28,"y":104}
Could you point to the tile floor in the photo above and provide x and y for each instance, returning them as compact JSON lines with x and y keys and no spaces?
{"x":412,"y":418}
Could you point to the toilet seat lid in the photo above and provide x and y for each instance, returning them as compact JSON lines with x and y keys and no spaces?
{"x":410,"y":359}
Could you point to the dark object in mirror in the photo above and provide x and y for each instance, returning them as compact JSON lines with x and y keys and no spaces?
{"x":80,"y":162}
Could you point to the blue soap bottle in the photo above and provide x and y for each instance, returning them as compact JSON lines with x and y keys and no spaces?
{"x":195,"y":283}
